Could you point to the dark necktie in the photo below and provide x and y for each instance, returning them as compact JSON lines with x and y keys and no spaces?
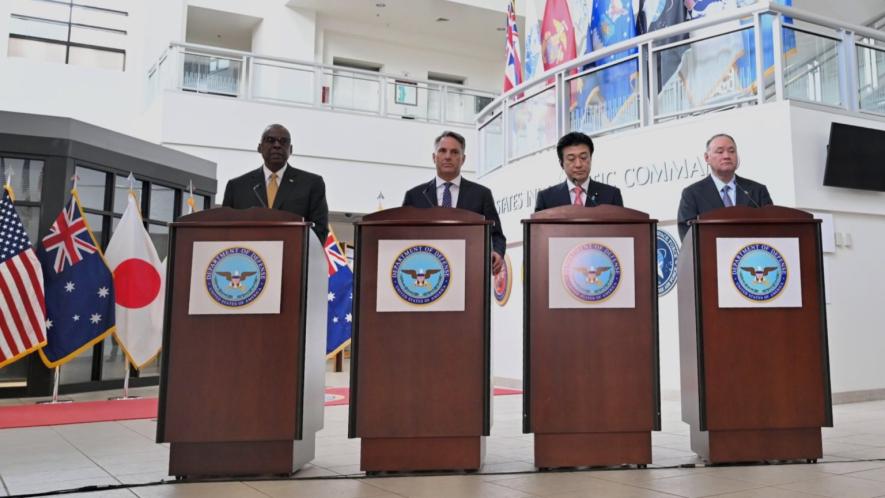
{"x":447,"y":195}
{"x":726,"y":199}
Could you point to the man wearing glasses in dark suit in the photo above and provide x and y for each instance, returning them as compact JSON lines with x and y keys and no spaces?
{"x":278,"y":185}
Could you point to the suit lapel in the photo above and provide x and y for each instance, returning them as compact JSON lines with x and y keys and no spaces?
{"x":463,"y":190}
{"x":740,"y":198}
{"x":565,"y":199}
{"x":429,"y":193}
{"x":287,"y":185}
{"x":712,"y":194}
{"x":259,"y":185}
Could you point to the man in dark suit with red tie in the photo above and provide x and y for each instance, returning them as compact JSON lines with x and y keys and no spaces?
{"x":722,"y":188}
{"x":278,"y":185}
{"x":575,"y":152}
{"x":450,"y":189}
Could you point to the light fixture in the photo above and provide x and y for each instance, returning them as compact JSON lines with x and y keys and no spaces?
{"x":380,"y":5}
{"x":442,"y":19}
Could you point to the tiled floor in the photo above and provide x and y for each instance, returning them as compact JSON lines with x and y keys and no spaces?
{"x":72,"y":456}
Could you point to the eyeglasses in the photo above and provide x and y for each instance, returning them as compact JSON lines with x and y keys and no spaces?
{"x":271,"y":140}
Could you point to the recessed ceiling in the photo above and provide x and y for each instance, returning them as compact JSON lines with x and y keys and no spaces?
{"x":220,"y":29}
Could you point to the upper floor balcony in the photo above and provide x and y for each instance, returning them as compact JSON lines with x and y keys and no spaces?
{"x":252,"y":77}
{"x":696,"y":67}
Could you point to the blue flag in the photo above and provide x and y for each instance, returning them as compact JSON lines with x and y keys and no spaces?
{"x":612,"y":21}
{"x":340,"y":314}
{"x":79,"y":287}
{"x":747,"y":63}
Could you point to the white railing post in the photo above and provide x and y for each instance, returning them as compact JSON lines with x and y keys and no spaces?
{"x":562,"y":104}
{"x":246,"y":78}
{"x":777,"y":48}
{"x":443,"y":102}
{"x":848,"y":86}
{"x":382,"y":94}
{"x":505,"y":129}
{"x":648,"y":78}
{"x":758,"y":52}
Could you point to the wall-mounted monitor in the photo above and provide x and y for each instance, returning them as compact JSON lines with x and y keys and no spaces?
{"x":855,"y":158}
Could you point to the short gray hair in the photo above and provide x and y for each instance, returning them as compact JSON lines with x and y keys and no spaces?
{"x":720,"y":135}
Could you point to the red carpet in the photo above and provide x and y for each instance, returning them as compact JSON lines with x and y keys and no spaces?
{"x":33,"y":415}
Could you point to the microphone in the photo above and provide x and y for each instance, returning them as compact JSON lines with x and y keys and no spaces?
{"x":755,"y":204}
{"x":255,"y":191}
{"x":429,"y":200}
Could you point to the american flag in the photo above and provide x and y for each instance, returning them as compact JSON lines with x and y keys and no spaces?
{"x":68,"y":236}
{"x":23,"y":323}
{"x":513,"y":69}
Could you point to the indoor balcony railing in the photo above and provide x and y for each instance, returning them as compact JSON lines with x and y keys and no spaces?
{"x":700,"y":66}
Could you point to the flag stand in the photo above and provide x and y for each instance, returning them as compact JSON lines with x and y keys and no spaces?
{"x":55,"y":382}
{"x":125,"y":386}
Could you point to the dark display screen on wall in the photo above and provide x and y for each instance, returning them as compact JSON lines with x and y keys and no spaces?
{"x":855,"y":158}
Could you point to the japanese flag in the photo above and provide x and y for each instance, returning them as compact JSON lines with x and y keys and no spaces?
{"x":139,"y":286}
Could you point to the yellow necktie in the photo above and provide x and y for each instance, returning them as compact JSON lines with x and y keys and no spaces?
{"x":272,"y":190}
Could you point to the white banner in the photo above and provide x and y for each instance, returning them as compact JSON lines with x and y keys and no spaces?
{"x":591,"y":272}
{"x":421,"y":275}
{"x":236,"y":277}
{"x":759,"y":272}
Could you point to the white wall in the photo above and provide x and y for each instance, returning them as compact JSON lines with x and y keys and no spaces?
{"x":357,"y":155}
{"x":782,"y":145}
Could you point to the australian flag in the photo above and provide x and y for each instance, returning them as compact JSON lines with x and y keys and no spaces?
{"x":79,"y":287}
{"x":340,"y":297}
{"x":612,"y":21}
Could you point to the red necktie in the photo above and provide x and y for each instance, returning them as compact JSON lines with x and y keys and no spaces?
{"x":578,"y":191}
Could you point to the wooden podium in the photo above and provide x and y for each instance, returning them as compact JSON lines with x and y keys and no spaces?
{"x":242,"y":394}
{"x":755,"y":380}
{"x":420,"y":380}
{"x":591,"y":374}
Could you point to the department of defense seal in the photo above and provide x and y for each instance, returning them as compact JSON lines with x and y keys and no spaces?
{"x":591,"y":272}
{"x":503,"y":282}
{"x":420,"y":274}
{"x":666,"y":255}
{"x":235,"y":277}
{"x":759,"y":272}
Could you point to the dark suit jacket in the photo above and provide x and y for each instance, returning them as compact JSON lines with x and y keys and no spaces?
{"x":702,"y":196}
{"x":300,"y":192}
{"x":471,"y":196}
{"x":597,"y":193}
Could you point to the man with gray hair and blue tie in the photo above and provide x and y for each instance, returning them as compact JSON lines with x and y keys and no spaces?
{"x":722,"y":188}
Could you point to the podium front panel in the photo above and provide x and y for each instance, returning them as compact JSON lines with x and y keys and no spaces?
{"x":762,"y":367}
{"x":244,"y":384}
{"x":600,"y":363}
{"x":421,"y":374}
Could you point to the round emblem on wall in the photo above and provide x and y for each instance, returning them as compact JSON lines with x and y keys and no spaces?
{"x":503,"y":282}
{"x":666,"y":256}
{"x":591,"y":272}
{"x":759,"y":272}
{"x":235,"y":277}
{"x":420,"y":274}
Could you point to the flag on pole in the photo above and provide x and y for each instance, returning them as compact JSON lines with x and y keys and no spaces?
{"x":23,"y":324}
{"x":138,"y":288}
{"x":513,"y":69}
{"x":557,"y":34}
{"x":191,"y":202}
{"x":658,"y":14}
{"x":79,"y":287}
{"x":340,"y":296}
{"x":533,"y":66}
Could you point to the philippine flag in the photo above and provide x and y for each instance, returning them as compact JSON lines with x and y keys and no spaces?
{"x":139,"y":283}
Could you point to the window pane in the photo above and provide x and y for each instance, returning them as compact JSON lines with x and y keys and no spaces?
{"x":15,"y":374}
{"x":152,"y":369}
{"x":121,"y":193}
{"x":101,"y":18}
{"x":27,"y":177}
{"x":37,"y":50}
{"x":160,"y":236}
{"x":78,"y":370}
{"x":199,"y":203}
{"x":31,"y":220}
{"x":102,"y":59}
{"x":40,"y":28}
{"x":95,"y":223}
{"x":113,"y":359}
{"x":91,"y":187}
{"x":162,"y":203}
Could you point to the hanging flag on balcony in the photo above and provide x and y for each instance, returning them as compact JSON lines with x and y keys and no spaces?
{"x":557,"y":34}
{"x":747,"y":63}
{"x":611,"y":91}
{"x":513,"y":69}
{"x":534,"y":65}
{"x":658,"y":14}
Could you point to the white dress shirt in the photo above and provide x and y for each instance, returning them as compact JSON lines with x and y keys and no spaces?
{"x":454,"y":189}
{"x":280,"y":173}
{"x":732,"y":192}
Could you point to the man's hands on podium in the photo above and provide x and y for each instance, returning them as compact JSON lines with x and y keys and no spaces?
{"x":497,"y":263}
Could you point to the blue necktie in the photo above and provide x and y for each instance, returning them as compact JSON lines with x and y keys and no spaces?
{"x":726,"y":199}
{"x":447,"y":195}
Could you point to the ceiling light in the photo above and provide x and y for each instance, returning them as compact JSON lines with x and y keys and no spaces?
{"x":380,"y":5}
{"x":442,"y":19}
